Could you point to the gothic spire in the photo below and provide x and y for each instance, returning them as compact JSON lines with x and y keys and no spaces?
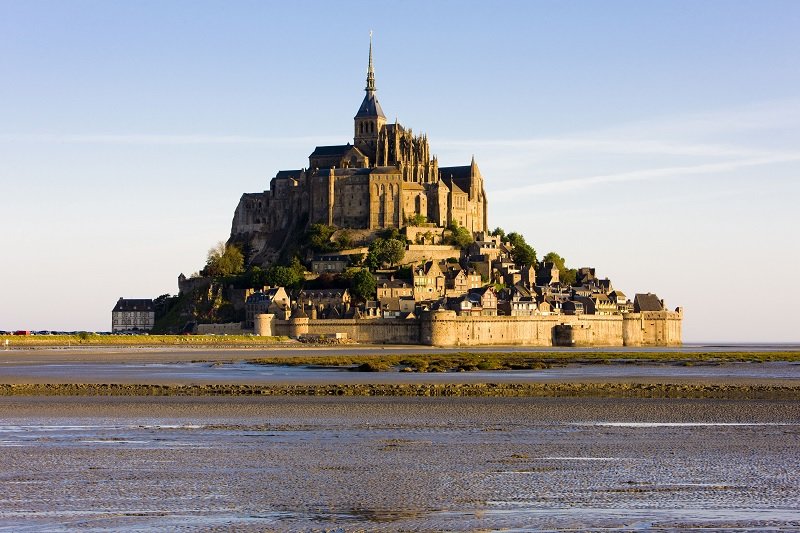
{"x":370,"y":70}
{"x":370,"y":106}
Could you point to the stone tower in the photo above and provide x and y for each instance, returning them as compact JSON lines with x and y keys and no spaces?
{"x":369,"y":120}
{"x":387,"y":178}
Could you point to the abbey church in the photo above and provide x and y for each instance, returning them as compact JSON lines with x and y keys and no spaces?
{"x":383,"y":179}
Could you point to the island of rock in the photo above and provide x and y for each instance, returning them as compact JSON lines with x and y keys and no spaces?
{"x":375,"y":242}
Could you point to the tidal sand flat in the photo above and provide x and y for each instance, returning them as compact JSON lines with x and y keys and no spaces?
{"x":397,"y":464}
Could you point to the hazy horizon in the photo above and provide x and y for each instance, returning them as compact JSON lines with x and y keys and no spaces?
{"x":657,"y":142}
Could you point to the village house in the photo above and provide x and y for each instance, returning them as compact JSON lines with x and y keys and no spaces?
{"x":133,"y":315}
{"x":273,"y":301}
{"x":459,"y":281}
{"x":394,"y":288}
{"x":487,"y":298}
{"x":323,"y":297}
{"x":572,"y":307}
{"x":429,"y":282}
{"x":334,"y":264}
{"x":647,"y":302}
{"x":398,"y":307}
{"x":465,"y":305}
{"x":517,"y":305}
{"x":603,"y":304}
{"x":485,"y":245}
{"x":547,"y":274}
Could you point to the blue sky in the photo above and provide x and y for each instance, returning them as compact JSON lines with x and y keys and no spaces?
{"x":655,"y":141}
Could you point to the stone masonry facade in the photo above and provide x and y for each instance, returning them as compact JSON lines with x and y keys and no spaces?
{"x":386,"y":177}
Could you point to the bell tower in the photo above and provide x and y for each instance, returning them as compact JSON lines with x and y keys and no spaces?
{"x":369,"y":120}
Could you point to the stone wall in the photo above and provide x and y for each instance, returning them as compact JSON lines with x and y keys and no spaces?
{"x":374,"y":331}
{"x":445,"y":328}
{"x":419,"y":253}
{"x":263,"y":324}
{"x":653,"y":328}
{"x":232,"y":328}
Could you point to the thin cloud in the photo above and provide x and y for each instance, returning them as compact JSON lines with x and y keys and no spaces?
{"x":696,"y":134}
{"x":550,"y":146}
{"x":158,"y":139}
{"x":563,"y":186}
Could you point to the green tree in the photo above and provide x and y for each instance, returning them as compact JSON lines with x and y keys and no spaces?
{"x":569,"y":276}
{"x":416,"y":220}
{"x":390,"y":233}
{"x":557,"y":260}
{"x":393,"y":251}
{"x":283,"y":276}
{"x":363,"y":285}
{"x":344,"y":240}
{"x":515,"y":239}
{"x":298,"y":267}
{"x":499,"y":232}
{"x":374,"y":253}
{"x":224,"y":260}
{"x":382,"y":251}
{"x":566,"y":275}
{"x":523,"y":253}
{"x":459,"y":235}
{"x":318,"y":238}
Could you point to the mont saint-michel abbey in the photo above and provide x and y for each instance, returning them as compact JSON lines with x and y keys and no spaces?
{"x":384,"y":178}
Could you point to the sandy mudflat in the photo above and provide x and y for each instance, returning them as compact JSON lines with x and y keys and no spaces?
{"x":145,"y":440}
{"x":397,"y":464}
{"x":225,"y":368}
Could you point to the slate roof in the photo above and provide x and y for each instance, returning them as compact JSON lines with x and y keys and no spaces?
{"x":337,"y":150}
{"x":391,"y":304}
{"x":646,"y":302}
{"x":286,"y":174}
{"x":483,"y":290}
{"x":129,"y":304}
{"x":370,"y":106}
{"x":523,"y":291}
{"x":394,"y":284}
{"x":322,"y":293}
{"x":455,"y":172}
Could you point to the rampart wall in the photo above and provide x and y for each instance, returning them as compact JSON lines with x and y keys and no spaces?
{"x":653,"y":328}
{"x":231,"y":328}
{"x":377,"y":331}
{"x":444,"y":328}
{"x":419,"y":253}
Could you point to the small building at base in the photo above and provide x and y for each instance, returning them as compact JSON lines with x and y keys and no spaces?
{"x":133,"y":315}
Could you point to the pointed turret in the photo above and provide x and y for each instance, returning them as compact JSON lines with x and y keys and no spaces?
{"x":370,"y":106}
{"x":370,"y":69}
{"x":370,"y":118}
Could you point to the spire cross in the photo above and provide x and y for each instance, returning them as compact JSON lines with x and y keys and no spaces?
{"x":370,"y":71}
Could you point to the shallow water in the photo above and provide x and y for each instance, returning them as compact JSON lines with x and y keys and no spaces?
{"x":241,"y":372}
{"x":394,"y":464}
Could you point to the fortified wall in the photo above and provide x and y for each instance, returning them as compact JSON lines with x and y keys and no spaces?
{"x":445,"y":328}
